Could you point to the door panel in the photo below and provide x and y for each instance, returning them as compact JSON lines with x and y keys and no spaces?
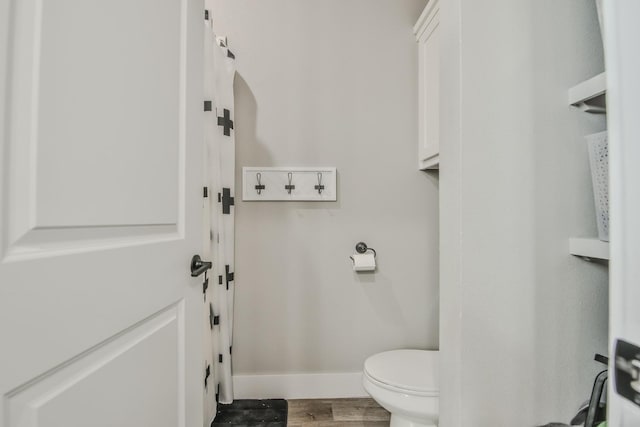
{"x":100,"y":321}
{"x":431,"y":68}
{"x":126,"y":140}
{"x":66,"y":394}
{"x":85,"y":115}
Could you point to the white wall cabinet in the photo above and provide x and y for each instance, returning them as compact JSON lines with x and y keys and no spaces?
{"x":426,"y":31}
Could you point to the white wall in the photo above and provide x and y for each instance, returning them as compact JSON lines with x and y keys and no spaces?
{"x":520,"y":318}
{"x":330,"y":83}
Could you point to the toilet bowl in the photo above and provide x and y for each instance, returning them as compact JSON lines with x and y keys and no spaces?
{"x":405,"y":383}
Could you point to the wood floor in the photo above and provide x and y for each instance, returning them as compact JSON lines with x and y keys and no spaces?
{"x":336,"y":413}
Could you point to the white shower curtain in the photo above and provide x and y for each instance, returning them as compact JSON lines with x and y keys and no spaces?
{"x":219,"y":161}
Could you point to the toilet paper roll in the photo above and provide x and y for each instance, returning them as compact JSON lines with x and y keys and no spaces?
{"x":364,"y":262}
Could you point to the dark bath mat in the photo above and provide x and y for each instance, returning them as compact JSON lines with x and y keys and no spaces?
{"x":252,"y":413}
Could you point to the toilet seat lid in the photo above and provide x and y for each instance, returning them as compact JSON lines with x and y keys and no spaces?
{"x":413,"y":370}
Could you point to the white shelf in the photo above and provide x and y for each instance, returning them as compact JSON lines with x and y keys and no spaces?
{"x":589,"y":248}
{"x":589,"y":95}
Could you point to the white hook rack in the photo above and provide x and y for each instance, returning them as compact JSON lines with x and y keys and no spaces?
{"x":289,"y":184}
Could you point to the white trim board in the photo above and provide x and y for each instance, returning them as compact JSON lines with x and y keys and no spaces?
{"x":299,"y":386}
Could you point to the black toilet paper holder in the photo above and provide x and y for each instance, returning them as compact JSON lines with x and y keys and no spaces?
{"x":361,"y":247}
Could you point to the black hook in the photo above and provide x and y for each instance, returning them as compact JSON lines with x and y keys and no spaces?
{"x":319,"y":187}
{"x":289,"y":187}
{"x":260,"y":186}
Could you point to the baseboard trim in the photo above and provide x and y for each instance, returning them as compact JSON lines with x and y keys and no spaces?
{"x":299,"y":386}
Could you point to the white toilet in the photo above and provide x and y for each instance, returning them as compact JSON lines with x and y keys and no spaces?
{"x":405,"y":383}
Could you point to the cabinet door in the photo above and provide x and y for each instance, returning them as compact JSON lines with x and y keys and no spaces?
{"x":429,"y":87}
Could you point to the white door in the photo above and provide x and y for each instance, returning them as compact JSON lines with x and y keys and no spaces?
{"x":100,"y":198}
{"x":623,"y":92}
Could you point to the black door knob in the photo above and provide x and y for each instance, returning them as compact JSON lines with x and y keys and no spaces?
{"x":198,"y":266}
